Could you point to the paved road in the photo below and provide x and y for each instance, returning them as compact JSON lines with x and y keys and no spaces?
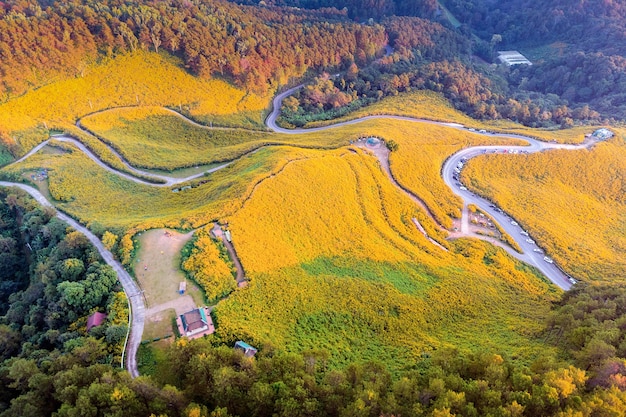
{"x":550,"y":270}
{"x":163,"y":180}
{"x":133,"y":293}
{"x":137,"y":313}
{"x":529,"y":255}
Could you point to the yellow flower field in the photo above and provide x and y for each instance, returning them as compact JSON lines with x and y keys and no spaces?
{"x":207,"y":266}
{"x":89,"y":193}
{"x":430,"y":105}
{"x":573,"y":202}
{"x":141,"y":78}
{"x":336,"y":263}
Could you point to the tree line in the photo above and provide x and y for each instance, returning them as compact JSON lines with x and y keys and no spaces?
{"x":428,"y":56}
{"x":255,"y":47}
{"x":51,"y":280}
{"x":213,"y":379}
{"x":364,"y":9}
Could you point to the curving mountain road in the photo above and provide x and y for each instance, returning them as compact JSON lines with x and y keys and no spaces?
{"x":529,"y":255}
{"x":550,"y":270}
{"x":165,"y":181}
{"x":130,"y":288}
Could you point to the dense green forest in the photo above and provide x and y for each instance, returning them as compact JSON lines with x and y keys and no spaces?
{"x":211,"y":379}
{"x":52,"y":280}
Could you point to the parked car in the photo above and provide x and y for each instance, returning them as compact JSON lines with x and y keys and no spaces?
{"x":482,"y":131}
{"x":532,"y":242}
{"x":463,"y":188}
{"x":513,"y":222}
{"x":548,"y":260}
{"x":538,"y":250}
{"x":523,"y":233}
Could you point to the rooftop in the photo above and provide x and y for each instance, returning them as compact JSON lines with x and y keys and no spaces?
{"x":511,"y":58}
{"x":96,"y":319}
{"x":195,"y":323}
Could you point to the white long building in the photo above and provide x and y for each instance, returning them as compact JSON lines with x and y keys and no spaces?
{"x":511,"y":58}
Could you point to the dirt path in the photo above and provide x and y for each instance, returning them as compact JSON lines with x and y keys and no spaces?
{"x":181,"y":305}
{"x":233,"y":255}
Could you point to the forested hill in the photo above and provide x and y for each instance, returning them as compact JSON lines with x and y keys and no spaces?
{"x":363,"y":9}
{"x":584,"y":43}
{"x":261,"y":47}
{"x":254,"y":46}
{"x":590,"y":25}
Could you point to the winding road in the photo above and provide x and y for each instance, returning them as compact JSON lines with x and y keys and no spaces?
{"x":531,"y":253}
{"x":133,"y":339}
{"x":134,"y":294}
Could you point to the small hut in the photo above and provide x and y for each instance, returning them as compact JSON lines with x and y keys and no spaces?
{"x":248,"y":351}
{"x":96,"y":319}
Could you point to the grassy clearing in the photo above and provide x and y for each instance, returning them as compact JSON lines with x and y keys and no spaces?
{"x":368,"y":285}
{"x":572,"y":202}
{"x":160,"y":325}
{"x":141,"y":78}
{"x":158,"y":266}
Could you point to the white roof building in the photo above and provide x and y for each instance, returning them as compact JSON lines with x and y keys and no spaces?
{"x":511,"y":58}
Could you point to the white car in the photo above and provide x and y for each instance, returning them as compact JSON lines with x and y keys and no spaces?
{"x":482,"y":131}
{"x":513,"y":222}
{"x":572,"y":280}
{"x":532,"y":242}
{"x":463,"y":188}
{"x":548,"y":260}
{"x":538,"y":250}
{"x":523,"y":233}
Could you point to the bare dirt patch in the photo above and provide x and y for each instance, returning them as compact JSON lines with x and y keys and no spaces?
{"x":158,"y":267}
{"x":159,"y":325}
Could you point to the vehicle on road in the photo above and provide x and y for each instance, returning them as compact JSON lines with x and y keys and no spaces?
{"x":463,"y":188}
{"x":471,"y":129}
{"x":548,"y":260}
{"x":572,"y":280}
{"x":482,"y":131}
{"x":532,"y":242}
{"x":538,"y":250}
{"x":523,"y":233}
{"x":513,"y":222}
